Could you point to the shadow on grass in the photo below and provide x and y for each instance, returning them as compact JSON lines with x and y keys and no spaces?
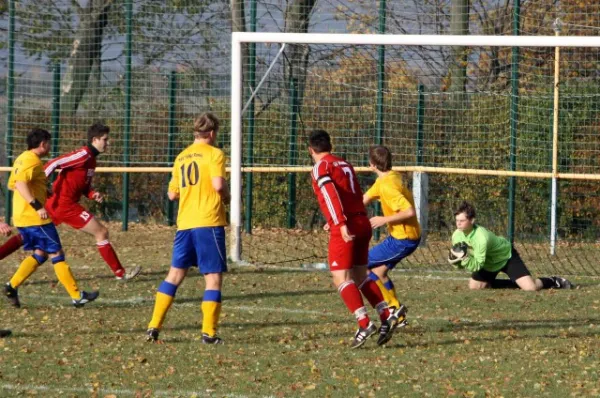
{"x":143,"y":276}
{"x":396,"y":342}
{"x":197,"y":327}
{"x":518,"y":324}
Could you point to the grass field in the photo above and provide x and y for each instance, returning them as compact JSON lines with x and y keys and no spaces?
{"x":287,"y":334}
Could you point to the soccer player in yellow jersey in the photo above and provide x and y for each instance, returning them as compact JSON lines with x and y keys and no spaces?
{"x":401,"y":218}
{"x":198,"y":181}
{"x":28,"y":181}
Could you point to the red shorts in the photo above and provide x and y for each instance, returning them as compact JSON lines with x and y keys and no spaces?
{"x":345,"y":255}
{"x":75,"y":215}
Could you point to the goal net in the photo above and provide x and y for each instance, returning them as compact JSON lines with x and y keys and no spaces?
{"x":510,"y":124}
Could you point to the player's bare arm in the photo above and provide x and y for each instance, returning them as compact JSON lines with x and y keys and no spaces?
{"x":379,"y":221}
{"x":173,"y":195}
{"x":25,"y":192}
{"x":220,"y":185}
{"x":346,"y":234}
{"x":5,"y":229}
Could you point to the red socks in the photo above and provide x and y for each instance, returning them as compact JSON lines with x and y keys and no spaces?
{"x":11,"y":246}
{"x":108,"y":254}
{"x":373,"y":294}
{"x":353,"y":300}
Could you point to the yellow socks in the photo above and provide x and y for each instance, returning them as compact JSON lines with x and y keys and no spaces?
{"x":164,"y":299}
{"x":27,"y":267}
{"x":388,"y":290}
{"x":63,"y":272}
{"x":211,"y":310}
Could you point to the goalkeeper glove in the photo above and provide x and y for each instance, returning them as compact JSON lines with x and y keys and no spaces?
{"x":458,"y":253}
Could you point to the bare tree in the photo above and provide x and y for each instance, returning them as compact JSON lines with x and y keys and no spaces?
{"x":86,"y":52}
{"x":297,"y":17}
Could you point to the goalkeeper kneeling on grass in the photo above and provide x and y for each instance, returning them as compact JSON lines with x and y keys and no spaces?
{"x":478,"y":250}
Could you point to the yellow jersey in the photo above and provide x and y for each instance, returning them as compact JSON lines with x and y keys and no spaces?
{"x":199,"y":204}
{"x":395,"y":197}
{"x":28,"y":168}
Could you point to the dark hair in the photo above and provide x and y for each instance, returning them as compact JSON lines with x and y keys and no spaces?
{"x":467,"y":208}
{"x":97,"y":130}
{"x":204,"y":124}
{"x":380,"y":157}
{"x":319,"y":141}
{"x":36,"y":136}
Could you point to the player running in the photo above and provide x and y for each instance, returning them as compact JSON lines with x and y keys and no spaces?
{"x":74,"y":180}
{"x":401,"y":218}
{"x":29,"y":183}
{"x":341,"y":200}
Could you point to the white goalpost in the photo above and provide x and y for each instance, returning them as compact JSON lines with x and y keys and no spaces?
{"x":237,"y":107}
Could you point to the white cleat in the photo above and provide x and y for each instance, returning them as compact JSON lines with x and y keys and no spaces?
{"x":130,"y":275}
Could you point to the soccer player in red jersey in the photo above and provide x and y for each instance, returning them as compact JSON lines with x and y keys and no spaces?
{"x":77,"y":169}
{"x":6,"y":231}
{"x":341,"y":200}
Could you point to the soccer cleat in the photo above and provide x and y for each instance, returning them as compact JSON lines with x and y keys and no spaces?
{"x":12,"y":295}
{"x":561,"y":283}
{"x":86,"y":298}
{"x":400,"y":315}
{"x":152,"y":335}
{"x":206,"y":339}
{"x":130,"y":275}
{"x":396,"y":319}
{"x":362,"y":334}
{"x":5,"y":333}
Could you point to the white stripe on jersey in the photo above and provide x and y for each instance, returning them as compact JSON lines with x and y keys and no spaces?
{"x":57,"y":162}
{"x":329,"y":206}
{"x":315,"y":170}
{"x":321,"y":181}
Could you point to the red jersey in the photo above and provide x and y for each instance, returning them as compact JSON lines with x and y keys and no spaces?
{"x":77,"y":169}
{"x":338,"y":191}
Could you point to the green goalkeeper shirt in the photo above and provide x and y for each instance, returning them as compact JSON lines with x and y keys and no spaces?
{"x":486,"y":250}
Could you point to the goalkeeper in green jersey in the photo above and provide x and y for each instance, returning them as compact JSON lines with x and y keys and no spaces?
{"x":485,"y":255}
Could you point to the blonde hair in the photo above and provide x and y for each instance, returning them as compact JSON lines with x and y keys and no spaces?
{"x":204,"y":124}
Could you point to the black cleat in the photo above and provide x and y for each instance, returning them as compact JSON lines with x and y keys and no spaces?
{"x":152,"y":335}
{"x":362,"y":334}
{"x":12,"y":295}
{"x":400,"y":315}
{"x":561,"y":283}
{"x":396,"y":319}
{"x":206,"y":339}
{"x":86,"y":298}
{"x":4,"y":333}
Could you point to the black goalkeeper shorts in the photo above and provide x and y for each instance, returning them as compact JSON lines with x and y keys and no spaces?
{"x":515,"y":268}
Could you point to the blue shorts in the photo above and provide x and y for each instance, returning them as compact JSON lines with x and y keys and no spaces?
{"x":42,"y":237}
{"x":391,"y":251}
{"x":203,"y":247}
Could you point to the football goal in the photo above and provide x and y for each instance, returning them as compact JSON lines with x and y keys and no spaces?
{"x":509,"y":123}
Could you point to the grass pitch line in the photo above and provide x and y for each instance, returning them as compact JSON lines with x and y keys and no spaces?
{"x":395,"y":272}
{"x":141,"y":300}
{"x":119,"y":392}
{"x":284,"y":310}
